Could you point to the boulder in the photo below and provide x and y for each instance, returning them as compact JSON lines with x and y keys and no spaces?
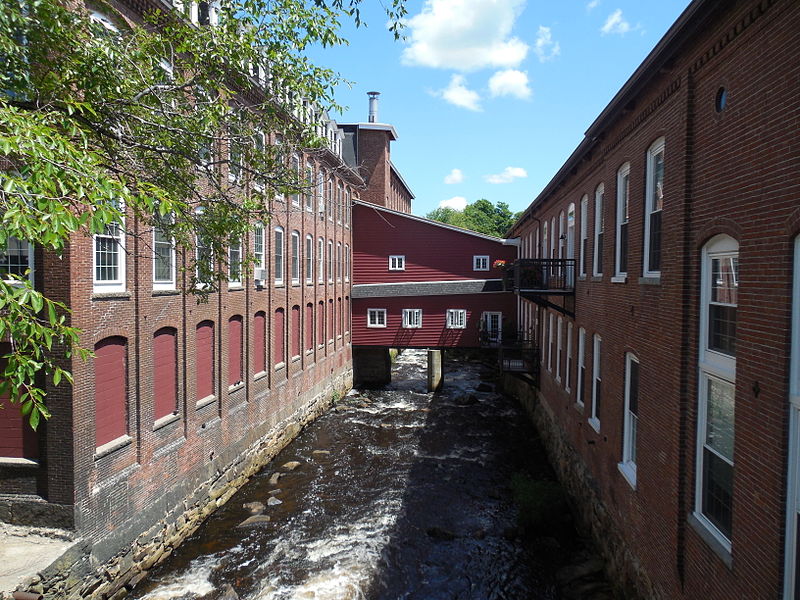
{"x":291,"y":465}
{"x":255,"y":508}
{"x":254,"y":520}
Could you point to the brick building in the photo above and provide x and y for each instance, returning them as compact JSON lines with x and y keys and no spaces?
{"x":669,"y":375}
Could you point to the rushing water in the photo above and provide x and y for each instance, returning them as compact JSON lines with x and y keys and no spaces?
{"x":399,"y":493}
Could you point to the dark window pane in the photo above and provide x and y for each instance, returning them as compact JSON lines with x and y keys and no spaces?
{"x":717,"y":491}
{"x":654,"y":251}
{"x":623,"y":248}
{"x":722,"y":328}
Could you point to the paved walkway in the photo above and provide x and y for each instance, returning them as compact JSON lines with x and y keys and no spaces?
{"x":24,"y":551}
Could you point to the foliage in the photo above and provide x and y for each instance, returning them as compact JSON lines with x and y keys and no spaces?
{"x":481,"y":216}
{"x":119,"y":124}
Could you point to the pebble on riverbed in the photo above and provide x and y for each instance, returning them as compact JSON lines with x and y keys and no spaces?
{"x":275,"y":492}
{"x":320,"y":452}
{"x":274,"y":501}
{"x":254,"y":520}
{"x":273,"y":480}
{"x":255,"y":508}
{"x":291,"y":465}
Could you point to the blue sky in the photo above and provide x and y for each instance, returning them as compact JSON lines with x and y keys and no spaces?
{"x":490,"y":97}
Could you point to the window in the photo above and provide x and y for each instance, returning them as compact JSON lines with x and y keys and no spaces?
{"x":376,"y":317}
{"x":570,"y":241}
{"x":295,"y":196}
{"x":623,"y":197}
{"x":259,"y":256}
{"x":234,"y":158}
{"x":456,"y":318}
{"x":348,"y":204}
{"x":338,"y":261}
{"x":260,"y":342}
{"x":346,"y":262}
{"x":321,"y":195}
{"x":581,"y":373}
{"x":309,"y":191}
{"x":309,"y":327}
{"x":347,"y":314}
{"x":553,"y":236}
{"x":259,"y":143}
{"x":165,"y":373}
{"x":397,"y":262}
{"x":630,"y":423}
{"x":321,"y":324}
{"x":331,"y":318}
{"x":330,"y":261}
{"x":109,"y":259}
{"x":716,"y":394}
{"x":17,"y":439}
{"x":598,"y":230}
{"x":295,"y":339}
{"x":412,"y":318}
{"x":584,"y":234}
{"x":16,"y":259}
{"x":278,"y":252}
{"x":492,"y":324}
{"x":320,"y":260}
{"x":545,"y":239}
{"x":295,"y":257}
{"x":550,"y":342}
{"x":278,"y":333}
{"x":234,"y":263}
{"x":204,"y":361}
{"x":480,"y":263}
{"x":559,"y":347}
{"x":330,"y":199}
{"x":562,"y":235}
{"x":597,"y":381}
{"x":235,"y":350}
{"x":654,"y":202}
{"x":568,"y":364}
{"x":110,"y":390}
{"x":309,"y":259}
{"x":163,"y":256}
{"x":339,"y":202}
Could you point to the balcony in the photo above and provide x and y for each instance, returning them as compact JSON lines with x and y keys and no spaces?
{"x":516,"y":351}
{"x":546,"y":281}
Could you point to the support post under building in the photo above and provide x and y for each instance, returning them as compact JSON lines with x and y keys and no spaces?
{"x":435,"y":377}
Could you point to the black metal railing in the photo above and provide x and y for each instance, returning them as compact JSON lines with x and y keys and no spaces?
{"x":541,"y":275}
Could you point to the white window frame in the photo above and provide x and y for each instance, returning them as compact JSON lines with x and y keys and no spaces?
{"x":279,"y":252}
{"x":339,"y":261}
{"x":456,"y":318}
{"x":559,"y":347}
{"x":260,"y":142}
{"x":309,"y":191}
{"x":622,"y":218}
{"x":163,"y":284}
{"x":412,"y":318}
{"x":330,"y":261}
{"x":101,"y":286}
{"x":568,"y":361}
{"x":320,"y":260}
{"x":309,"y":259}
{"x":584,"y":241}
{"x":397,"y":262}
{"x":580,"y":375}
{"x":234,"y":247}
{"x":296,"y":166}
{"x":486,"y":318}
{"x":376,"y":318}
{"x":658,"y":147}
{"x":630,"y":424}
{"x":27,"y":250}
{"x":599,"y":226}
{"x":295,"y":257}
{"x":713,"y":365}
{"x":597,"y":378}
{"x":321,"y":195}
{"x":347,"y":262}
{"x":480,"y":262}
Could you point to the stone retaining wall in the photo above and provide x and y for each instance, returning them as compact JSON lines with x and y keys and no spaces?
{"x":622,"y":567}
{"x":80,"y":574}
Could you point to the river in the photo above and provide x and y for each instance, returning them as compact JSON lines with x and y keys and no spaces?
{"x":392,"y":494}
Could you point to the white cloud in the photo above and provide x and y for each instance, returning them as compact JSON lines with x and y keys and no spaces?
{"x":508,"y":175}
{"x":592,"y":5}
{"x":456,"y":203}
{"x":454,"y":176}
{"x":459,"y":94}
{"x":544,"y":47}
{"x":510,"y":83}
{"x":616,"y":23}
{"x":465,"y":35}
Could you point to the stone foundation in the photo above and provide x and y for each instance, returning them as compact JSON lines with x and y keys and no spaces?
{"x":80,"y":573}
{"x":623,"y":569}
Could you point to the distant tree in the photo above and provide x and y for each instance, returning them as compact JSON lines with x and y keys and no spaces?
{"x":481,"y":216}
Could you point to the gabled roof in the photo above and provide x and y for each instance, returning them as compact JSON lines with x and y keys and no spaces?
{"x":506,"y":242}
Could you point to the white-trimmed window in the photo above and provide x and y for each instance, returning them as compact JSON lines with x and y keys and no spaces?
{"x":259,"y":255}
{"x":492,"y":323}
{"x":338,"y":261}
{"x":376,"y":317}
{"x":550,"y":320}
{"x":623,"y":213}
{"x":320,"y":260}
{"x":346,"y":262}
{"x":456,"y":318}
{"x":653,"y":204}
{"x":412,"y":318}
{"x":295,"y":257}
{"x":309,"y":259}
{"x":597,"y":381}
{"x":234,"y":156}
{"x":580,"y":375}
{"x":717,"y":381}
{"x":630,"y":425}
{"x":278,"y":251}
{"x":348,"y":205}
{"x":330,"y":199}
{"x":321,"y":195}
{"x":568,"y":363}
{"x":559,"y":347}
{"x":544,"y":336}
{"x":562,"y":235}
{"x":295,"y":196}
{"x":330,"y":261}
{"x":163,"y":256}
{"x":109,"y":259}
{"x":480,"y":263}
{"x":259,"y":142}
{"x":599,"y":225}
{"x":204,"y":259}
{"x":309,"y":191}
{"x":584,"y":235}
{"x":397,"y":262}
{"x":16,"y":259}
{"x":234,"y":263}
{"x":553,"y":237}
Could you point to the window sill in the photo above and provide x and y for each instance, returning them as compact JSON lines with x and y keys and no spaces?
{"x":596,"y":278}
{"x":112,"y":446}
{"x":594,"y":423}
{"x":260,"y":375}
{"x":280,"y":365}
{"x":579,"y":406}
{"x":373,"y":327}
{"x":162,"y":422}
{"x":235,"y":288}
{"x":628,"y":471}
{"x":111,"y":296}
{"x":169,"y":292}
{"x":235,"y":387}
{"x":296,"y":358}
{"x":279,"y":284}
{"x":651,"y":280}
{"x":619,"y":279}
{"x":205,"y":401}
{"x":581,"y":277}
{"x":721,"y":548}
{"x":8,"y":461}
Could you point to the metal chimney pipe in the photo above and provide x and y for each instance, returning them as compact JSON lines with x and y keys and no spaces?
{"x":373,"y":106}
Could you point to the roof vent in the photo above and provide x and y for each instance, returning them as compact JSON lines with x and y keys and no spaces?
{"x":373,"y":106}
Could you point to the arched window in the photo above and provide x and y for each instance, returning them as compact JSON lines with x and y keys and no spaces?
{"x":278,"y":333}
{"x":259,"y":342}
{"x":235,"y":350}
{"x":653,"y":204}
{"x":204,"y":363}
{"x":278,"y":251}
{"x":295,"y":331}
{"x":599,"y":226}
{"x":110,"y":390}
{"x":623,"y":213}
{"x":309,"y":327}
{"x":165,"y":372}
